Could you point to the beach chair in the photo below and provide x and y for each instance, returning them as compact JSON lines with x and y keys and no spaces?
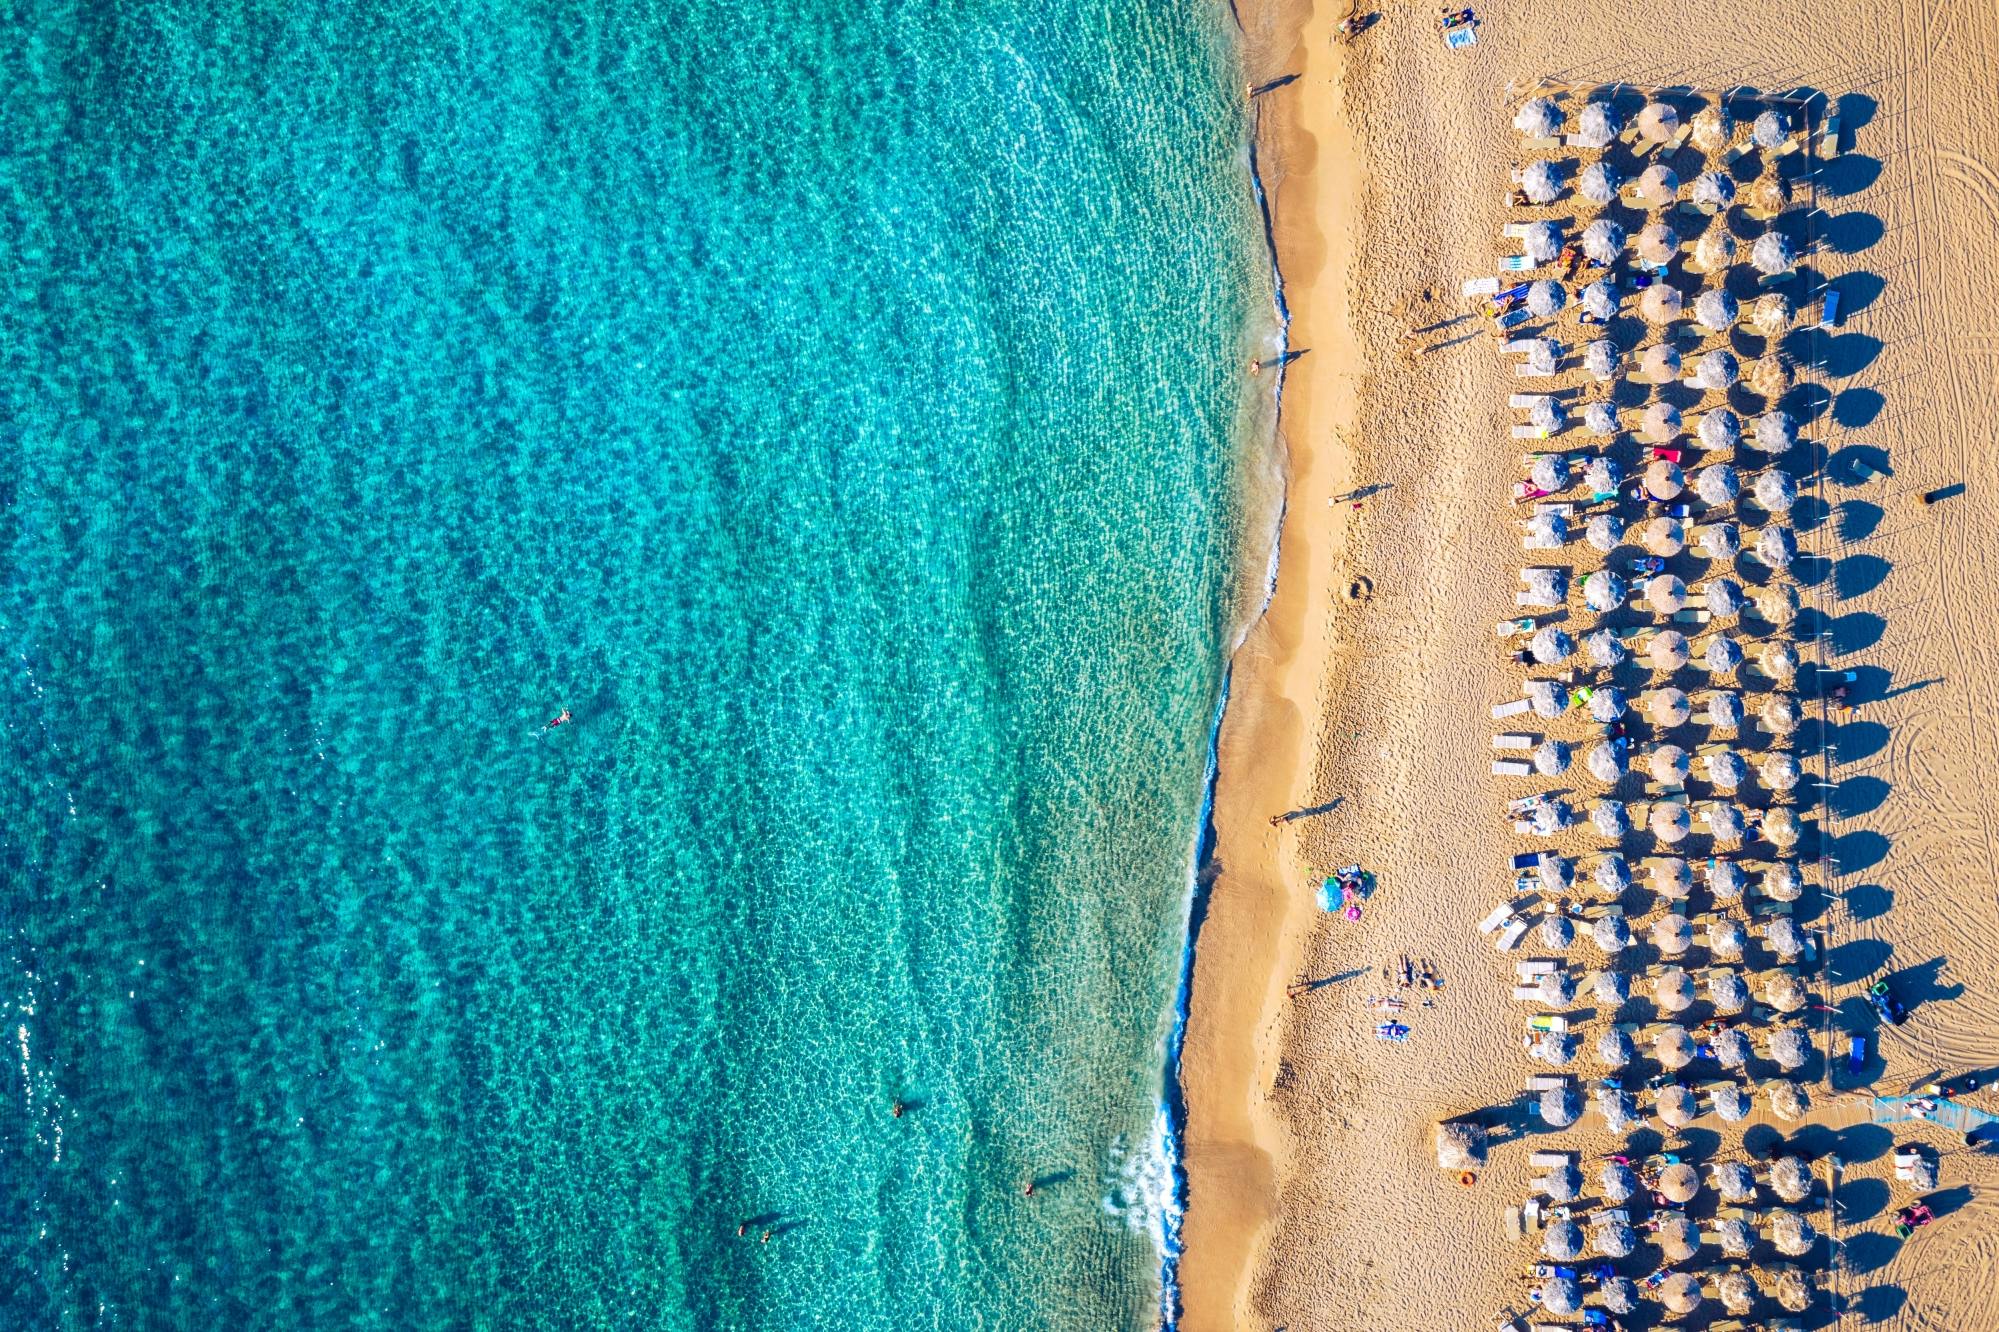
{"x":1531,"y":432}
{"x":1476,"y":287}
{"x":1566,"y":508}
{"x":1512,"y":740}
{"x":1769,"y":280}
{"x":1692,"y":615}
{"x":1525,"y":399}
{"x":1527,"y":994}
{"x":1789,"y":146}
{"x":1862,"y":473}
{"x":1496,"y":919}
{"x":1829,"y":137}
{"x":1510,"y":937}
{"x":1678,"y":141}
{"x":1529,"y":372}
{"x":1512,"y":768}
{"x":1513,"y":709}
{"x":1542,"y":145}
{"x":1541,"y":1082}
{"x":1536,"y":966}
{"x":1737,"y":153}
{"x":1516,"y":263}
{"x":1551,"y":1160}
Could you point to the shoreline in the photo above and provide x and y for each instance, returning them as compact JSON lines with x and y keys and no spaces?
{"x":1245,"y":925}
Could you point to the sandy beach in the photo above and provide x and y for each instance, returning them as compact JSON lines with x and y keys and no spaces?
{"x":1361,"y":703}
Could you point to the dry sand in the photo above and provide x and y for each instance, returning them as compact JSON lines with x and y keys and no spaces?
{"x":1315,"y":1201}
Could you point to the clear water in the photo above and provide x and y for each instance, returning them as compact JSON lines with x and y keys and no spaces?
{"x":838,"y":407}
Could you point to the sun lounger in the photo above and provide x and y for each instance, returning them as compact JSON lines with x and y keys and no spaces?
{"x":1550,"y":1160}
{"x":1566,"y":508}
{"x":1789,"y":146}
{"x":1863,"y":473}
{"x":1515,"y":230}
{"x":1512,"y":740}
{"x":1531,"y":432}
{"x":1527,"y":994}
{"x":1529,"y":372}
{"x":1906,"y":1161}
{"x":1512,"y":768}
{"x":1485,"y":286}
{"x":1554,"y":1023}
{"x":1496,"y":919}
{"x":1514,"y":1230}
{"x":1525,"y":399}
{"x":1510,"y":936}
{"x":1769,"y":280}
{"x":1736,"y":154}
{"x":1692,"y":615}
{"x":1674,"y":144}
{"x":1516,"y":263}
{"x":1513,"y":709}
{"x":1829,"y":137}
{"x":1536,"y":966}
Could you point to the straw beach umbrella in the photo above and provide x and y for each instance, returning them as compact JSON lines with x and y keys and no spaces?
{"x":1671,"y":878}
{"x":1713,"y":127}
{"x":1547,"y":416}
{"x":1601,"y":359}
{"x":1782,"y":883}
{"x":1673,"y":990}
{"x":1790,"y":1180}
{"x":1720,"y":429}
{"x":1609,"y":988}
{"x":1551,"y":758}
{"x":1719,"y":541}
{"x":1619,"y":1111}
{"x":1726,"y":991}
{"x":1555,"y":932}
{"x":1545,"y":298}
{"x":1794,"y":1289}
{"x":1734,"y":1182}
{"x":1658,"y":185}
{"x":1550,"y":471}
{"x":1716,"y":483}
{"x":1680,"y":1293}
{"x":1613,"y":1239}
{"x":1599,"y":301}
{"x":1563,"y":1241}
{"x":1677,"y":1107}
{"x":1554,"y":1050}
{"x":1613,"y":876}
{"x":1672,"y":935}
{"x":1461,"y":1145}
{"x":1541,"y":243}
{"x":1771,"y":315}
{"x":1611,"y":934}
{"x":1667,"y":651}
{"x":1604,"y":591}
{"x":1658,"y":122}
{"x":1668,"y":766}
{"x":1715,"y":310}
{"x":1603,"y":647}
{"x":1714,"y":251}
{"x":1732,"y":1234}
{"x":1616,"y":1182}
{"x":1784,"y":992}
{"x":1605,"y":763}
{"x":1779,"y":660}
{"x":1538,"y":119}
{"x":1619,"y":1295}
{"x":1679,"y":1182}
{"x":1723,"y":598}
{"x":1768,"y":377}
{"x":1775,"y":490}
{"x":1665,"y":593}
{"x":1549,"y":697}
{"x":1712,"y":191}
{"x":1722,"y":708}
{"x":1607,"y":704}
{"x":1657,"y":243}
{"x":1564,"y":1184}
{"x":1777,"y":547}
{"x":1783,"y":937}
{"x":1731,"y":1048}
{"x":1773,"y":253}
{"x":1541,"y":356}
{"x":1554,"y":873}
{"x":1603,"y":241}
{"x":1724,"y":821}
{"x":1726,"y":770}
{"x":1779,"y":772}
{"x":1599,"y":184}
{"x":1544,"y":587}
{"x":1726,"y":940}
{"x":1561,"y":1107}
{"x":1772,"y":127}
{"x":1675,"y":1235}
{"x":1717,"y":370}
{"x":1660,"y":363}
{"x":1540,"y":182}
{"x":1600,"y":419}
{"x":1561,"y":1296}
{"x":1779,"y":714}
{"x":1601,"y":476}
{"x":1776,"y":432}
{"x":1546,"y":531}
{"x":1664,"y":479}
{"x":1768,"y":197}
{"x":1660,"y":304}
{"x":1736,"y":1291}
{"x":1551,"y":643}
{"x":1789,"y":1048}
{"x":1722,"y":655}
{"x":1662,"y":536}
{"x":1789,"y":1231}
{"x":1596,"y":126}
{"x":1667,"y":707}
{"x":1725,"y":879}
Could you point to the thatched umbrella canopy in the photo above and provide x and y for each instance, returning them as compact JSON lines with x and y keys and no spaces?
{"x":1923,"y":1174}
{"x":1736,"y":1291}
{"x":1769,"y":196}
{"x":1616,"y":1182}
{"x":1667,"y":707}
{"x":1727,"y":992}
{"x":1551,"y":643}
{"x":1734,"y":1181}
{"x":1678,"y":1107}
{"x":1790,"y":1232}
{"x":1665,"y":593}
{"x":1731,"y":1048}
{"x":1725,"y":769}
{"x":1599,"y":300}
{"x":1561,"y":1296}
{"x":1658,"y":122}
{"x":1725,"y":880}
{"x":1680,"y":1293}
{"x":1712,"y":189}
{"x":1613,"y":1239}
{"x":1607,"y":815}
{"x":1541,"y":243}
{"x":1558,"y":1051}
{"x":1723,"y":598}
{"x":1782,"y":882}
{"x":1601,"y":475}
{"x":1601,"y":359}
{"x":1538,"y":118}
{"x":1772,"y":127}
{"x":1778,"y":660}
{"x":1546,"y":531}
{"x":1773,"y":253}
{"x":1717,"y":369}
{"x":1734,"y":1237}
{"x":1554,"y":873}
{"x":1722,"y":654}
{"x":1557,"y":990}
{"x":1597,"y":126}
{"x":1541,"y":356}
{"x":1604,"y":591}
{"x":1670,"y":823}
{"x":1603,"y":647}
{"x":1679,"y":1182}
{"x":1790,"y":1180}
{"x":1672,"y":1047}
{"x":1550,"y":471}
{"x":1726,"y":940}
{"x":1731,"y":1103}
{"x":1611,"y":934}
{"x":1612,"y":988}
{"x":1780,"y":713}
{"x":1777,"y":547}
{"x":1782,"y":828}
{"x":1672,"y":934}
{"x":1667,"y":651}
{"x":1779,"y":771}
{"x":1715,"y":310}
{"x":1662,"y":536}
{"x":1788,"y":1101}
{"x":1724,"y":707}
{"x":1671,"y":877}
{"x":1619,"y":1111}
{"x":1720,"y":541}
{"x":1612,"y":874}
{"x":1713,"y":128}
{"x":1660,"y":304}
{"x":1619,"y":1295}
{"x":1563,"y":1241}
{"x":1784,"y":992}
{"x":1790,"y":1048}
{"x":1724,"y":821}
{"x":1794,"y":1289}
{"x":1603,"y":241}
{"x":1545,"y":298}
{"x":1771,"y":315}
{"x":1541,"y":182}
{"x":1544,"y":587}
{"x":1607,"y":704}
{"x":1556,"y":932}
{"x":1598,"y":184}
{"x":1549,"y":697}
{"x":1714,"y":251}
{"x":1664,"y":479}
{"x":1769,"y":377}
{"x":1716,"y":483}
{"x":1549,"y":818}
{"x":1776,"y":490}
{"x":1657,"y":243}
{"x":1461,"y":1144}
{"x":1673,"y":989}
{"x":1720,"y":429}
{"x":1660,"y":363}
{"x":1783,"y":937}
{"x":1561,"y":1107}
{"x":1605,"y":763}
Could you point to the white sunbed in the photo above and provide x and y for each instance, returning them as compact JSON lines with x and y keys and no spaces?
{"x":1527,"y":994}
{"x":1515,"y":230}
{"x":1496,"y":919}
{"x":1512,"y":768}
{"x":1528,"y":968}
{"x":1529,"y":372}
{"x":1829,"y":137}
{"x":1513,"y":709}
{"x":1542,"y":145}
{"x":1549,"y":1160}
{"x":1692,"y":615}
{"x":1485,"y":286}
{"x":1736,"y":154}
{"x":1529,"y":431}
{"x":1516,"y":263}
{"x":1526,"y":399}
{"x":1512,"y":740}
{"x":1511,"y":935}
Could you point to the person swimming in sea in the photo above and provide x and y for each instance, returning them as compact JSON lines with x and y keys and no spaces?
{"x":560,"y":719}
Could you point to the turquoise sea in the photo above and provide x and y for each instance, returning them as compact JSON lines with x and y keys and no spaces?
{"x":837,"y":407}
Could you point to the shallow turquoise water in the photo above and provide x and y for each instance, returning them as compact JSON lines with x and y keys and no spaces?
{"x":838,"y":407}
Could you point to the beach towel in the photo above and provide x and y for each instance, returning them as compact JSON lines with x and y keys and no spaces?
{"x":1457,"y":39}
